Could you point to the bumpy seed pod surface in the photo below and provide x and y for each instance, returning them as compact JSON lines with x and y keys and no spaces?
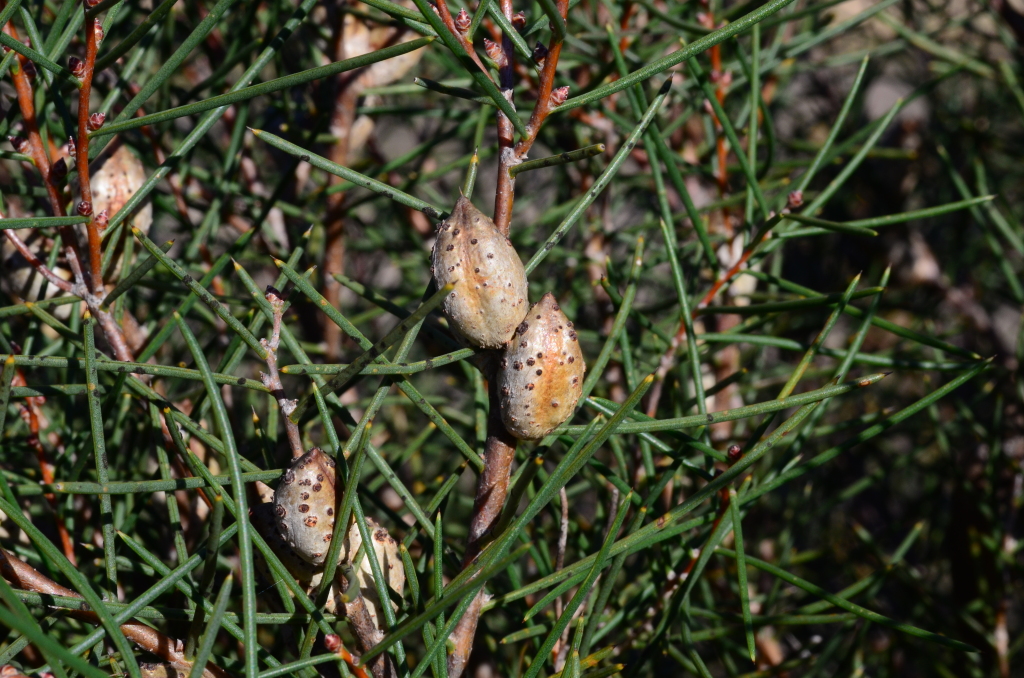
{"x":540,"y":376}
{"x":490,"y":295}
{"x":304,"y":506}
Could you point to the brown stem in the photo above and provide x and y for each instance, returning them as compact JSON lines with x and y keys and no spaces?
{"x":272,"y":379}
{"x":111,"y":330}
{"x":150,"y":640}
{"x":30,"y":414}
{"x":491,"y":492}
{"x":368,"y":635}
{"x":36,"y":262}
{"x":449,"y":22}
{"x":504,"y":194}
{"x":492,"y":486}
{"x":82,"y":155}
{"x":462,"y":637}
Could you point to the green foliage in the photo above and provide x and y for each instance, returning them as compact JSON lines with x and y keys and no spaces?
{"x":789,"y":236}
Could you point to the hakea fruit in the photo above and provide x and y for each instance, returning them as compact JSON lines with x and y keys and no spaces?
{"x":540,"y":376}
{"x":490,"y":295}
{"x":462,"y":21}
{"x":304,"y":506}
{"x":361,"y":583}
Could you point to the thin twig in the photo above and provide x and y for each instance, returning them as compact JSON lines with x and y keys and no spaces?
{"x":149,"y":639}
{"x":30,"y":414}
{"x":668,"y":359}
{"x":272,"y":379}
{"x":37,"y":263}
{"x":85,"y":73}
{"x":491,"y":493}
{"x":504,"y":194}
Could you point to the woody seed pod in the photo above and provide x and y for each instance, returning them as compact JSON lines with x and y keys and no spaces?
{"x":304,"y":506}
{"x":490,"y":293}
{"x":385,"y":548}
{"x":540,"y":377}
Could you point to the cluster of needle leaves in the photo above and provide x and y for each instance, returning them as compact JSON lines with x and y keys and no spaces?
{"x":789,"y":234}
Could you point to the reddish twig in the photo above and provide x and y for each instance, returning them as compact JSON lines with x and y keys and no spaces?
{"x":333,"y":644}
{"x":547,"y":98}
{"x":30,"y":414}
{"x":150,"y":640}
{"x":84,"y":71}
{"x":459,"y":27}
{"x":36,"y":150}
{"x":37,"y":263}
{"x":669,"y":357}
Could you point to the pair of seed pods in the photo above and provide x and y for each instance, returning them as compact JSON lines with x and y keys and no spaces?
{"x":303,"y":508}
{"x":540,"y":374}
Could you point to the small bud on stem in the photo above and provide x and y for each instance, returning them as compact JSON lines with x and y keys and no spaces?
{"x":84,"y":208}
{"x":495,"y":53}
{"x":59,"y":171}
{"x":540,"y":52}
{"x":462,"y":21}
{"x":559,"y":95}
{"x":96,"y":121}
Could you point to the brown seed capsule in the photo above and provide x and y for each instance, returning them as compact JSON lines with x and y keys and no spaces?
{"x":304,"y":505}
{"x":542,"y":392}
{"x":490,"y":295}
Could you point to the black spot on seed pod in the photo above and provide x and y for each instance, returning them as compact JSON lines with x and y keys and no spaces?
{"x":517,"y":365}
{"x":330,"y":512}
{"x":310,"y":521}
{"x":504,"y":363}
{"x":530,"y":362}
{"x":303,"y":508}
{"x":456,"y":232}
{"x":571,"y":359}
{"x":305,"y":496}
{"x":280,"y":511}
{"x":523,"y":327}
{"x":529,"y":387}
{"x":473,"y":241}
{"x":540,"y":372}
{"x":320,"y":477}
{"x":317,"y":487}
